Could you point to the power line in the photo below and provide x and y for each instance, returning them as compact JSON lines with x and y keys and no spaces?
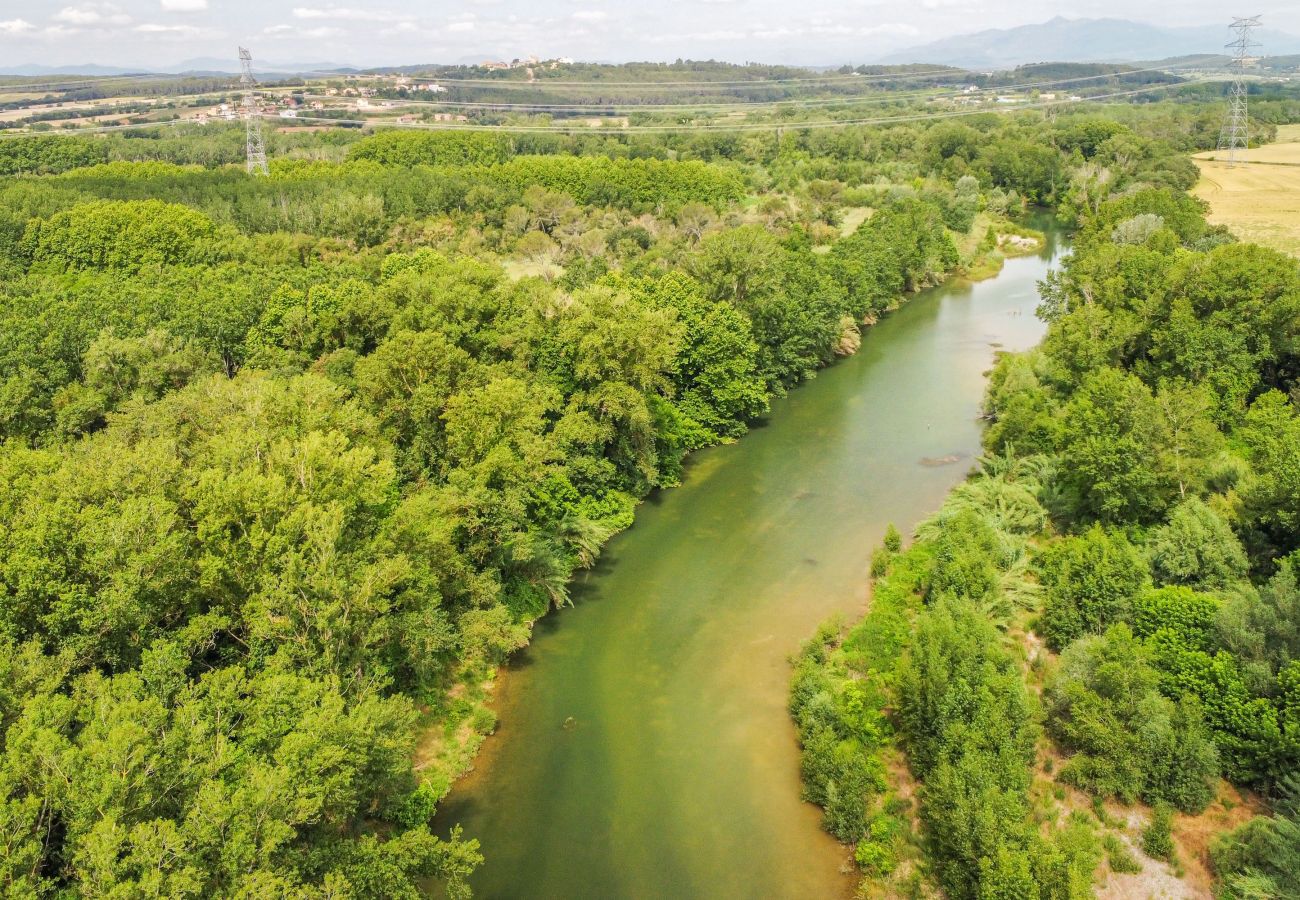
{"x":732,"y":127}
{"x":654,"y":129}
{"x":875,"y":98}
{"x":627,"y":108}
{"x":1235,"y":135}
{"x":744,"y":82}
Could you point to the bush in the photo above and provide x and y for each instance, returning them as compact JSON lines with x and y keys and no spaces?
{"x":1157,"y":837}
{"x":1261,"y":859}
{"x":875,"y":859}
{"x":1090,"y":581}
{"x":1197,"y":548}
{"x":431,"y":148}
{"x":893,"y":540}
{"x":966,"y":559}
{"x":1120,"y":857}
{"x":1126,"y":740}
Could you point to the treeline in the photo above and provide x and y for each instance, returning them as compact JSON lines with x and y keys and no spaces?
{"x":1164,"y":395}
{"x":1163,"y":403}
{"x":275,"y":504}
{"x":291,"y":463}
{"x":1010,"y":152}
{"x":1136,"y":514}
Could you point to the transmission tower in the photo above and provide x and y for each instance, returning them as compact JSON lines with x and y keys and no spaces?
{"x":256,"y":150}
{"x":1235,"y":136}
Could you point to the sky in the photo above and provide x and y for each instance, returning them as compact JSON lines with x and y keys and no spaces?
{"x":158,"y":33}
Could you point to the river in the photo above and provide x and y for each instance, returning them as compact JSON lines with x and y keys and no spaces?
{"x":644,"y":746}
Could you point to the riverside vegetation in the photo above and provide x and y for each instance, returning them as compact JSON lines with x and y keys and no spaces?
{"x":291,"y":464}
{"x":1109,"y":608}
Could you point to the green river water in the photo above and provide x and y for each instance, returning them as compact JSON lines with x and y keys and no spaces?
{"x":644,"y":746}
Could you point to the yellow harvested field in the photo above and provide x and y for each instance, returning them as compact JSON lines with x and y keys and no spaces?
{"x":1259,"y":201}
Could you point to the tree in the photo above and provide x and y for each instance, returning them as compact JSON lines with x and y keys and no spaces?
{"x":1125,"y":740}
{"x":715,"y":375}
{"x":128,"y":235}
{"x":1261,"y":859}
{"x":1113,"y":440}
{"x":1197,"y":548}
{"x":1090,"y":582}
{"x":1271,"y":434}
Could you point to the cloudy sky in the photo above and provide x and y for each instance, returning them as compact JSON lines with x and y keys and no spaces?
{"x":156,"y":33}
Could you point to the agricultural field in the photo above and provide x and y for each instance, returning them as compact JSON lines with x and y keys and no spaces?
{"x":1259,"y":201}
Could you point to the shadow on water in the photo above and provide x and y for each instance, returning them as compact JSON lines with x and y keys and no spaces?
{"x":677,"y":773}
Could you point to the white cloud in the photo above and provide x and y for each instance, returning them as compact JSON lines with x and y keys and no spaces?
{"x":321,"y":31}
{"x":346,"y":13}
{"x":92,"y":14}
{"x":461,"y":26}
{"x":277,"y":29}
{"x":16,"y":26}
{"x":184,"y":5}
{"x":590,"y":15}
{"x":175,"y":31}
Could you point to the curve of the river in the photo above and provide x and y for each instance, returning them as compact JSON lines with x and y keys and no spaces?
{"x":644,"y":747}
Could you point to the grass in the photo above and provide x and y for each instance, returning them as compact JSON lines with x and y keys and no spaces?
{"x":1258,"y":201}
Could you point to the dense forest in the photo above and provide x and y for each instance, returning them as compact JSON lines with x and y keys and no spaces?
{"x":1107,"y":613}
{"x":292,"y":463}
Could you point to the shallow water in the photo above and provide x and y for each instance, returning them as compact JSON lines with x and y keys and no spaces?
{"x":644,"y":746}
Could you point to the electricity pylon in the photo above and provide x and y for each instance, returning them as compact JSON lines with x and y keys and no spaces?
{"x":253,"y":145}
{"x":1235,"y":135}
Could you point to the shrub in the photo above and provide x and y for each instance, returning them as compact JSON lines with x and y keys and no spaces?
{"x":1090,"y":581}
{"x":1126,"y":740}
{"x":1120,"y":857}
{"x":1157,"y":837}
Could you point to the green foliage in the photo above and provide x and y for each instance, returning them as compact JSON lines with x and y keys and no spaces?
{"x":131,"y":236}
{"x":1112,"y":441}
{"x":1125,"y":739}
{"x":1164,"y":393}
{"x":286,"y":458}
{"x":431,"y":148}
{"x":1271,"y":434}
{"x":1119,"y":857}
{"x":1197,"y":548}
{"x":1263,"y":631}
{"x":893,"y":540}
{"x":898,"y":249}
{"x":1022,"y":408}
{"x":1261,"y":859}
{"x":1089,"y":582}
{"x":966,"y":559}
{"x":967,"y":722}
{"x":632,"y":183}
{"x":838,"y":701}
{"x":1157,"y":836}
{"x":718,"y":385}
{"x":49,"y":154}
{"x":1177,"y":614}
{"x":233,"y":783}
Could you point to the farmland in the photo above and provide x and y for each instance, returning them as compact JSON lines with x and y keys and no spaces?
{"x":1260,"y":201}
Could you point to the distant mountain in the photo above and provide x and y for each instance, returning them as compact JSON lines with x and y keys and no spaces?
{"x":220,"y":64}
{"x":86,"y":69}
{"x":1081,"y":40}
{"x":203,"y":65}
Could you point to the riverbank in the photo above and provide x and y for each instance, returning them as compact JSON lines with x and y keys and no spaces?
{"x":644,"y":745}
{"x":1062,"y":652}
{"x":456,"y":731}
